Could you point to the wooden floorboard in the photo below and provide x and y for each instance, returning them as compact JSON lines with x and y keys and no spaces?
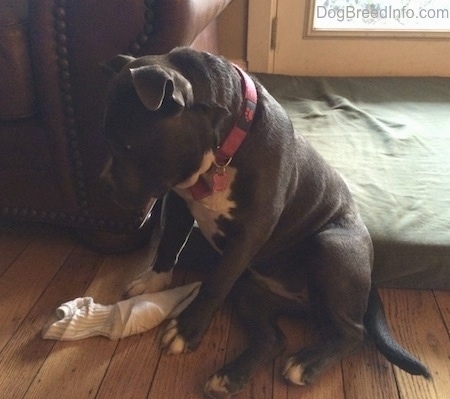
{"x":367,"y":374}
{"x":443,"y":301}
{"x":26,"y":351}
{"x":416,"y":321}
{"x":41,"y":268}
{"x":12,"y":243}
{"x":27,"y":278}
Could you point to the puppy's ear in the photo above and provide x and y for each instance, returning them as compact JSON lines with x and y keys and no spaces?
{"x":116,"y":64}
{"x":162,"y":88}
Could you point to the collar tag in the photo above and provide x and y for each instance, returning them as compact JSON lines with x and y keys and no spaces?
{"x":232,"y":142}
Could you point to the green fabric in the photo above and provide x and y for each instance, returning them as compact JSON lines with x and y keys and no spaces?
{"x":390,"y":140}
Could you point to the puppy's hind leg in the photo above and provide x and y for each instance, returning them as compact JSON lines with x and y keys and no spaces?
{"x":339,"y":283}
{"x":257,"y":309}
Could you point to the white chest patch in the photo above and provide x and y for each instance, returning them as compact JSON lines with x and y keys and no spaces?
{"x":216,"y":205}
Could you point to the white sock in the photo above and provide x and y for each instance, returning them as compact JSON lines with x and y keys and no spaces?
{"x":83,"y":318}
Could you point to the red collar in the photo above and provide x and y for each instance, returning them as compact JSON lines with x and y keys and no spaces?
{"x":226,"y":150}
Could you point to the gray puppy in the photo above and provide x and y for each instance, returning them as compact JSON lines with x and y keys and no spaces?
{"x":196,"y":130}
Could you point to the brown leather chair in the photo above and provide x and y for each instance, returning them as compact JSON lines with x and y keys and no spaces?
{"x":52,"y":95}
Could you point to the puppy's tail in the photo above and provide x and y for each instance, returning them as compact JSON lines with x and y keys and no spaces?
{"x":377,"y":328}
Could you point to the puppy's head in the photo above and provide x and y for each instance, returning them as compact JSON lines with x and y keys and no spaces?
{"x":156,"y":134}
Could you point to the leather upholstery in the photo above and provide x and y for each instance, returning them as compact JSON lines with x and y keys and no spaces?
{"x":15,"y":63}
{"x":52,"y":95}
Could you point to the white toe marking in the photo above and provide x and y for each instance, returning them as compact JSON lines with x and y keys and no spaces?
{"x":293,"y":372}
{"x":174,"y":343}
{"x":217,"y":384}
{"x":177,"y":346}
{"x":170,"y":333}
{"x":149,"y":282}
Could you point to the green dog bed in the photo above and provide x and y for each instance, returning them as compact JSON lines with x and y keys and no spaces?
{"x":390,"y":140}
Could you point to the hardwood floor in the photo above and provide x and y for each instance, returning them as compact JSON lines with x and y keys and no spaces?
{"x":41,"y":268}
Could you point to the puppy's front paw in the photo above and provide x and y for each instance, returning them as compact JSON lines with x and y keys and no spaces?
{"x":148,"y":282}
{"x":293,"y":372}
{"x":172,"y":341}
{"x":185,"y":332}
{"x":217,"y":387}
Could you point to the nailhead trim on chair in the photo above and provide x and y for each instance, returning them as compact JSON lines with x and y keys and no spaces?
{"x":73,"y":220}
{"x":136,"y":46}
{"x":65,"y":86}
